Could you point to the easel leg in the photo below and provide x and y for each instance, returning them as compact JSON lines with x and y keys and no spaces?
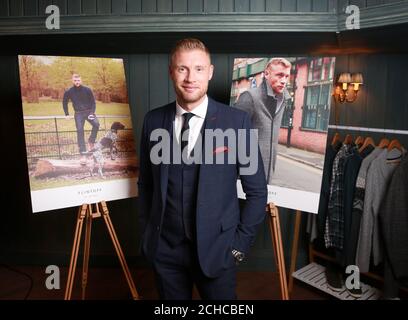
{"x":119,"y":252}
{"x":274,"y":225}
{"x":295,"y":244}
{"x":272,"y":230}
{"x":86,"y":250}
{"x":75,"y":248}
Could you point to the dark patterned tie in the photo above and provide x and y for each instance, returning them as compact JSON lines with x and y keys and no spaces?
{"x":187,"y":116}
{"x":271,"y":103}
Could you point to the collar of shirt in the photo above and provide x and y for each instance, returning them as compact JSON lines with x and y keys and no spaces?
{"x":199,"y":111}
{"x":196,"y":122}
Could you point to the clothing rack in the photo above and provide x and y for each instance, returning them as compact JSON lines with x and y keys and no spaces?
{"x":349,"y":128}
{"x":313,"y":253}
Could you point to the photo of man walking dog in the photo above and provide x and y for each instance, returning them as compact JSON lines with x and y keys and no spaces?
{"x":78,"y":128}
{"x":84,"y":105}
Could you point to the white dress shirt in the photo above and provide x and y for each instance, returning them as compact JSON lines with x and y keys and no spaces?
{"x":195,"y":123}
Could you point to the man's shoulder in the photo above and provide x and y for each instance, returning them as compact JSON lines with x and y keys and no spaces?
{"x":221,"y":108}
{"x":260,"y":92}
{"x":82,"y":87}
{"x":69,"y":90}
{"x":252,"y":93}
{"x":86,"y":88}
{"x":228,"y":110}
{"x":159,"y":112}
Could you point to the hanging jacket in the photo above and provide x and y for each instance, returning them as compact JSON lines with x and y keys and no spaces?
{"x":378,"y":178}
{"x":394,"y":222}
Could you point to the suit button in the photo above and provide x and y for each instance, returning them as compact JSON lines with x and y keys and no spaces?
{"x":158,"y":228}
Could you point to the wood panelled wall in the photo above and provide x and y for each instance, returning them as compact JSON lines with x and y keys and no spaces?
{"x":23,"y":17}
{"x":91,"y":7}
{"x":15,"y":8}
{"x":46,"y":238}
{"x":383,"y":99}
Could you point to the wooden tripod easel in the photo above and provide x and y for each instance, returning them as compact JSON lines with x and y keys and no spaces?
{"x":85,"y":212}
{"x":274,"y":225}
{"x":295,"y":245}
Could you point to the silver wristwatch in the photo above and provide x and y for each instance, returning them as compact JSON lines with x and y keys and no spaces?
{"x":238,"y":255}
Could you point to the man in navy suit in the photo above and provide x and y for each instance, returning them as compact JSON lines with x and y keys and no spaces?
{"x":193,"y":229}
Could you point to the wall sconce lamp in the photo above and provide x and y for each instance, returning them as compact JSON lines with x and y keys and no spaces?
{"x":348,"y":86}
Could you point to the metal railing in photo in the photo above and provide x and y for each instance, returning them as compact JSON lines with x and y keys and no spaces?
{"x":53,"y":137}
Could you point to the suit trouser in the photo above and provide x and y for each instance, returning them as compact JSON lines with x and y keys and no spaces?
{"x":80,"y":118}
{"x":177,"y":269}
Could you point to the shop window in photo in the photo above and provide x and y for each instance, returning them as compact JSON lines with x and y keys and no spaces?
{"x":316,"y":110}
{"x":321,"y":69}
{"x":287,"y":114}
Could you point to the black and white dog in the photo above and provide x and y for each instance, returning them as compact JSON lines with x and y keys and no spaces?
{"x":107,"y":142}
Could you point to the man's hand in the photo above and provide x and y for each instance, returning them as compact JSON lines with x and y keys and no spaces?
{"x":67,"y":117}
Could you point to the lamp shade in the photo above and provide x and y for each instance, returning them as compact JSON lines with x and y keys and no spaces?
{"x":357,"y":78}
{"x":345,"y":77}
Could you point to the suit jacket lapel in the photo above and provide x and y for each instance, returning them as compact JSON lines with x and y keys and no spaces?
{"x":168,"y":121}
{"x":211,"y":122}
{"x":263,"y":91}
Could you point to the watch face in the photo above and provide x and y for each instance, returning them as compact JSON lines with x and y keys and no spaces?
{"x":238,"y":255}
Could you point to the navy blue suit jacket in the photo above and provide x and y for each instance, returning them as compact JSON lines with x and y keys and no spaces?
{"x":220,"y":224}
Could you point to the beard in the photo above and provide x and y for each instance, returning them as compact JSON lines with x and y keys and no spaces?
{"x":187,"y":97}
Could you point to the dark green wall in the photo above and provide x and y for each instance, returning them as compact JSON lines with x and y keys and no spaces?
{"x":383,"y":99}
{"x":15,"y":8}
{"x":121,"y":16}
{"x":70,"y":7}
{"x":46,"y":238}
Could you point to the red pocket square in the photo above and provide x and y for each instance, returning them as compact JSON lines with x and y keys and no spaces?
{"x":220,"y":149}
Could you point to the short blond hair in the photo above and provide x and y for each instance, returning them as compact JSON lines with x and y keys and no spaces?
{"x":277,"y":61}
{"x":76,"y":75}
{"x":188,"y":44}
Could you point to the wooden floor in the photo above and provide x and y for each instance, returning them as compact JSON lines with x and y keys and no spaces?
{"x":110,"y":284}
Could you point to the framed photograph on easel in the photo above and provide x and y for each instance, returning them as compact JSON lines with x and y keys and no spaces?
{"x":78,"y":130}
{"x":288,"y":100}
{"x":80,"y":145}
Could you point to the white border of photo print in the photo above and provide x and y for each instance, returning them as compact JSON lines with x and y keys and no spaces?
{"x":294,"y":183}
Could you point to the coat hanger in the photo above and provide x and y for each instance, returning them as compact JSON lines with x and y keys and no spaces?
{"x":336,"y":139}
{"x":384,"y":143}
{"x":348,"y":139}
{"x":368,"y":141}
{"x":394,"y":144}
{"x":359,"y":140}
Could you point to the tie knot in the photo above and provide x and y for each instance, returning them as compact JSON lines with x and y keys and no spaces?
{"x":187,"y":116}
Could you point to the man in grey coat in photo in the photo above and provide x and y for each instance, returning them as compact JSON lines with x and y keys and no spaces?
{"x":265,"y":105}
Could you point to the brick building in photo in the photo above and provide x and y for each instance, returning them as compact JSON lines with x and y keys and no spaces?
{"x":306,"y":118}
